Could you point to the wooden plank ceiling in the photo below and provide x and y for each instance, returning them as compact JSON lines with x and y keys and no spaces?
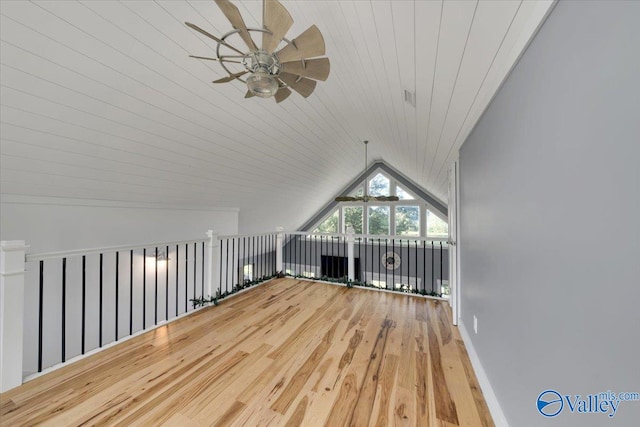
{"x":100,"y":101}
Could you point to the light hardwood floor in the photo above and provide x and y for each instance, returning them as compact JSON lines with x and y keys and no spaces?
{"x":286,"y":353}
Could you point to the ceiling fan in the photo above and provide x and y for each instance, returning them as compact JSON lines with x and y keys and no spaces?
{"x":272,"y":73}
{"x":366,"y":198}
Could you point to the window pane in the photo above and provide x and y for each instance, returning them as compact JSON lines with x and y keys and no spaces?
{"x":403,"y":195}
{"x":379,"y":186}
{"x":435,"y":226}
{"x":353,"y":217}
{"x":379,"y":220}
{"x":329,"y":225}
{"x":407,"y":220}
{"x":358,"y":192}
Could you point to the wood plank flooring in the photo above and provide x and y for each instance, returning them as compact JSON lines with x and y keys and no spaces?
{"x":287,"y":353}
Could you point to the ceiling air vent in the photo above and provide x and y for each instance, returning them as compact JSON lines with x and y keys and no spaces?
{"x":410,"y":98}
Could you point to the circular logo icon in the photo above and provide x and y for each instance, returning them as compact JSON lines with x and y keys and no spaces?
{"x":390,"y":260}
{"x":550,"y":403}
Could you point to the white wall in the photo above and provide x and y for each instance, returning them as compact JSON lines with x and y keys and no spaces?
{"x":49,"y":224}
{"x":550,"y":202}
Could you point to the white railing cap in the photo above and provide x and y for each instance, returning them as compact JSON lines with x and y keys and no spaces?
{"x":236,"y":236}
{"x":13,"y":245}
{"x":371,"y":236}
{"x":90,"y":251}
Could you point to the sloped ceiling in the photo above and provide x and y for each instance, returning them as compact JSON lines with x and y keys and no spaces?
{"x":100,"y":101}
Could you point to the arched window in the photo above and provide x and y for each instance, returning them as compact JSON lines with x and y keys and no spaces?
{"x":409,"y":216}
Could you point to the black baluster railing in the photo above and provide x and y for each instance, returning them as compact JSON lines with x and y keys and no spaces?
{"x":345,"y":254}
{"x":144,"y":289}
{"x":64,"y":309}
{"x":155,"y":291}
{"x":366,"y":264}
{"x":245,"y":261}
{"x":433,"y":267}
{"x":393,"y":269}
{"x":100,"y":302}
{"x":296,"y":254}
{"x":415,"y":247}
{"x":178,"y":275}
{"x":386,"y":270}
{"x":202,"y":272}
{"x":195,"y":271}
{"x":409,"y":287}
{"x":41,"y":312}
{"x":424,"y":266}
{"x":131,"y":292}
{"x":194,"y":276}
{"x":166,"y":284}
{"x":186,"y":277}
{"x":233,"y":263}
{"x":324,"y":266}
{"x":440,"y":290}
{"x":226,"y":268}
{"x":93,"y":283}
{"x":314,"y":256}
{"x":117,"y":292}
{"x":360,"y":277}
{"x":84,"y":300}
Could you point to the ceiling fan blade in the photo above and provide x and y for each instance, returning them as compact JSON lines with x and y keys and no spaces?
{"x":230,"y":77}
{"x":277,"y":20}
{"x":211,"y":36}
{"x":317,"y":69}
{"x":249,"y":94}
{"x":307,"y":45}
{"x":213,"y":59}
{"x":282,"y":94}
{"x":348,"y":199}
{"x":367,"y":199}
{"x":233,"y":15}
{"x":301,"y":85}
{"x":384,"y":198}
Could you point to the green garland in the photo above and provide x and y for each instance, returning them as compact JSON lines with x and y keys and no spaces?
{"x":215,"y":300}
{"x":352,"y":283}
{"x":202,"y":301}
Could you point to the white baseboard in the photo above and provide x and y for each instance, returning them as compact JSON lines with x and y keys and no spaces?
{"x":489,"y":396}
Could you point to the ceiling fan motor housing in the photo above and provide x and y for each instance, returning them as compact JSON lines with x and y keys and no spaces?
{"x":264,"y":69}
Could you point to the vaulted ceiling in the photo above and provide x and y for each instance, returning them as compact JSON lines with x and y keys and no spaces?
{"x":100,"y":101}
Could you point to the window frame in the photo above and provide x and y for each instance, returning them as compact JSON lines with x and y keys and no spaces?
{"x":394,"y":184}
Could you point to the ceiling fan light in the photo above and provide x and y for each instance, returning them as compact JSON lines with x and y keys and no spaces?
{"x":262,"y":84}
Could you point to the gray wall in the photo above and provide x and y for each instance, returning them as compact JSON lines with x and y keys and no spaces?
{"x":550,"y":202}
